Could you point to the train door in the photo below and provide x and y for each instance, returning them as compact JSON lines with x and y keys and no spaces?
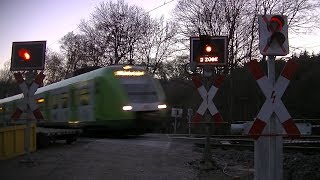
{"x":61,"y":105}
{"x":86,"y":101}
{"x":55,"y":107}
{"x":47,"y":109}
{"x":65,"y":105}
{"x":73,"y":106}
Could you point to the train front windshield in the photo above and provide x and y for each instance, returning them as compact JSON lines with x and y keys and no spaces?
{"x":141,"y":92}
{"x":140,"y":88}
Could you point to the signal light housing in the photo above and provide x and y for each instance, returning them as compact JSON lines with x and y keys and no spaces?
{"x":29,"y":55}
{"x":273,"y":35}
{"x":208,"y":50}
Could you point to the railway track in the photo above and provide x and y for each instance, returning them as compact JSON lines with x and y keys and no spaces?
{"x":304,"y":144}
{"x":314,"y":137}
{"x":301,"y":149}
{"x":300,"y":145}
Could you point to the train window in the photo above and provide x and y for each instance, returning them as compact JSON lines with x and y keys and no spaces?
{"x":64,"y":100}
{"x":141,"y":93}
{"x":55,"y":101}
{"x":73,"y":97}
{"x":84,"y":96}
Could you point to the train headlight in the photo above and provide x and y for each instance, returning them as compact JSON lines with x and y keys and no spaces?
{"x":74,"y":122}
{"x":127,"y":108}
{"x":129,"y":73}
{"x":162,"y":106}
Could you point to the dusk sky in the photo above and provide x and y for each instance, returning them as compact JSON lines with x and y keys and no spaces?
{"x":50,"y":20}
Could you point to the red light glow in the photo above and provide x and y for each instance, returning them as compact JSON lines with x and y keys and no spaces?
{"x":24,"y":54}
{"x":278,"y":22}
{"x":208,"y":48}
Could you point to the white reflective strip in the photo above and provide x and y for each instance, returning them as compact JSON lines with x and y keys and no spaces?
{"x":32,"y":89}
{"x":212,"y":92}
{"x":281,"y":85}
{"x":212,"y":108}
{"x":281,"y":111}
{"x":203,"y":92}
{"x":266,"y":111}
{"x":207,"y":102}
{"x":265,"y":85}
{"x":203,"y":107}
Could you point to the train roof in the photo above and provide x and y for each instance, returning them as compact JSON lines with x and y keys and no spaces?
{"x":80,"y":78}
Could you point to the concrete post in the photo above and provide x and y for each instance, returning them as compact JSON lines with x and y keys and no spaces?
{"x":268,"y":149}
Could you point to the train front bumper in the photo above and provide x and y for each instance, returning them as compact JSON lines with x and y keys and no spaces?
{"x":144,"y":107}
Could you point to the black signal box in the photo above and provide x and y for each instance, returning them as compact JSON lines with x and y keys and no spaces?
{"x":209,"y":50}
{"x":29,"y":55}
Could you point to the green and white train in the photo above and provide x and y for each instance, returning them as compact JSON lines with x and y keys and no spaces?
{"x":118,"y":97}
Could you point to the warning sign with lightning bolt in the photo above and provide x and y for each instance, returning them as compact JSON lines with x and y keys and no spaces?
{"x":273,"y":104}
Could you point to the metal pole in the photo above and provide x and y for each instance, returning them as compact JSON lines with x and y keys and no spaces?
{"x":190,"y":113}
{"x":189,"y":125}
{"x":207,"y":156}
{"x":29,"y":77}
{"x":275,"y":147}
{"x":207,"y":152}
{"x":27,"y":137}
{"x":175,"y":125}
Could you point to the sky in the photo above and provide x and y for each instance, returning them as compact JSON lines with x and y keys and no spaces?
{"x":50,"y":20}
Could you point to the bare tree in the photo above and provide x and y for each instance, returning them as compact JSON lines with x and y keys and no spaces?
{"x":214,"y":18}
{"x":72,"y":46}
{"x":159,"y":45}
{"x":5,"y":73}
{"x":237,"y":19}
{"x":118,"y":28}
{"x":93,"y":49}
{"x":7,"y":83}
{"x":119,"y":33}
{"x":54,"y":67}
{"x":175,"y":69}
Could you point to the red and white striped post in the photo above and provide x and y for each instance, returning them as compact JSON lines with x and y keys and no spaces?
{"x":268,"y":148}
{"x":207,"y":103}
{"x":27,"y":105}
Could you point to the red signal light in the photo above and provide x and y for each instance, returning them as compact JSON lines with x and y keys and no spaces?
{"x":208,"y":48}
{"x":24,"y":54}
{"x":277,"y":23}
